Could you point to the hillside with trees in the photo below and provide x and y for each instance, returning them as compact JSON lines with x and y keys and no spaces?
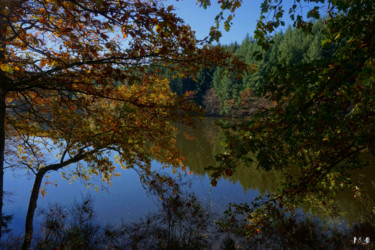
{"x":223,"y":93}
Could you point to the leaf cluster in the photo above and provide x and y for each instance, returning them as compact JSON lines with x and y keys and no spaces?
{"x":322,"y":117}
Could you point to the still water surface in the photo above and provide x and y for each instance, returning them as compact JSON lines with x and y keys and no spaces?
{"x":126,"y":200}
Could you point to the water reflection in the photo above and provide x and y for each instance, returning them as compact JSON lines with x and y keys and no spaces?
{"x":127,"y":200}
{"x":200,"y":146}
{"x":361,"y":208}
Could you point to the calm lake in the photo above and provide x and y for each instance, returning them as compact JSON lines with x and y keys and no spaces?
{"x":127,"y":201}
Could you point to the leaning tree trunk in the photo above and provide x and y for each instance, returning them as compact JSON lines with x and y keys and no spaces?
{"x":35,"y":195}
{"x":2,"y":152}
{"x":31,"y":210}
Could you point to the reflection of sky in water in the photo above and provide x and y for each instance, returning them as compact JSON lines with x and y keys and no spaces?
{"x":125,"y":200}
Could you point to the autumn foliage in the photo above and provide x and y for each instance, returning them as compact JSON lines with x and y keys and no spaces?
{"x":80,"y":77}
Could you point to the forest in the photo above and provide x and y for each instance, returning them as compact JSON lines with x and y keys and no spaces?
{"x":221,"y":92}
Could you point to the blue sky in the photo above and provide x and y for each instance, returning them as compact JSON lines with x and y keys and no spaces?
{"x":244,"y":22}
{"x":201,"y":20}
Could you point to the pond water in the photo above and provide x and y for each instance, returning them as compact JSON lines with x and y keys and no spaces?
{"x":126,"y":200}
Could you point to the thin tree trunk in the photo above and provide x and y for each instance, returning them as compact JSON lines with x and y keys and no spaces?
{"x":31,"y":210}
{"x":2,"y":152}
{"x":35,"y":195}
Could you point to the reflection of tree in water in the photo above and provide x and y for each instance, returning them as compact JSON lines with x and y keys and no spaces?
{"x":355,"y":204}
{"x":360,"y":207}
{"x":182,"y":223}
{"x":200,"y":145}
{"x":196,"y":145}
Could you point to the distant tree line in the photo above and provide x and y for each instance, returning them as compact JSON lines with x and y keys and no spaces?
{"x":288,"y":47}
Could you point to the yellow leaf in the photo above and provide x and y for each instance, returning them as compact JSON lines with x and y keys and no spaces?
{"x":6,"y":68}
{"x":43,"y":191}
